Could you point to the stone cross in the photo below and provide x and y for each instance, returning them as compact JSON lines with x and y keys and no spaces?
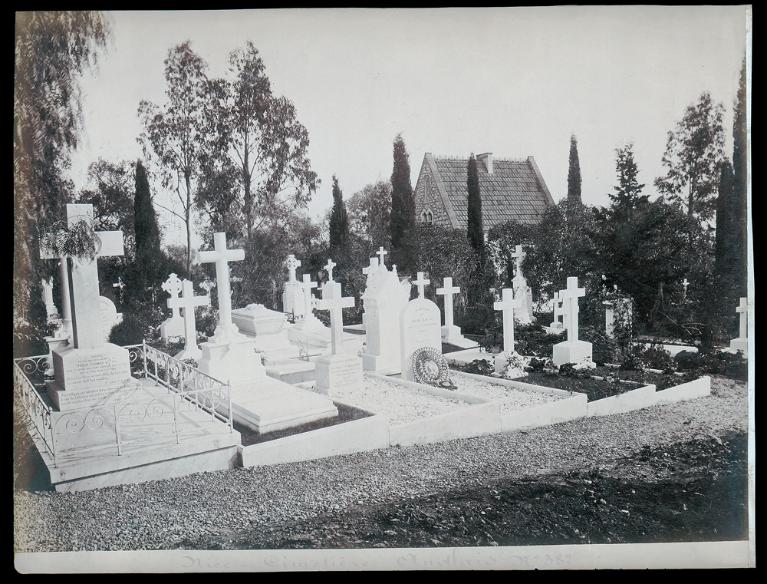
{"x":329,"y":269}
{"x":420,"y":282}
{"x":570,"y":295}
{"x":221,"y":257}
{"x":507,"y":305}
{"x":121,"y":285}
{"x":307,"y":286}
{"x":448,"y":292}
{"x":80,"y":292}
{"x":207,"y":285}
{"x":335,"y":302}
{"x":173,"y":286}
{"x":685,"y":284}
{"x":189,"y":302}
{"x":518,"y":256}
{"x":293,"y":263}
{"x":381,"y":253}
{"x":742,"y":309}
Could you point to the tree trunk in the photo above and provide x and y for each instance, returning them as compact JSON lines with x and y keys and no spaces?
{"x":187,"y":219}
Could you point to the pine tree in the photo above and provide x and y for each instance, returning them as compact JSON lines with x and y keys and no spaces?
{"x":339,"y":222}
{"x":740,"y":186}
{"x":403,"y":206}
{"x":574,"y":173}
{"x":148,"y":251}
{"x":627,"y":194}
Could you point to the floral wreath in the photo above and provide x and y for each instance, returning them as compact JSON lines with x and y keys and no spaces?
{"x":430,"y":367}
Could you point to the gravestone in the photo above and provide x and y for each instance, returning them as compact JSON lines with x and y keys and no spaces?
{"x":329,"y":271}
{"x":109,"y":316}
{"x":450,"y":332}
{"x":508,"y":305}
{"x":174,"y":325}
{"x":741,"y":342}
{"x":188,"y":302}
{"x":88,"y":371}
{"x":368,"y":271}
{"x":572,"y":350}
{"x":384,"y":299}
{"x":293,"y":295}
{"x":611,"y":307}
{"x":557,"y":323}
{"x":524,"y":314}
{"x":420,"y":322}
{"x":337,"y":370}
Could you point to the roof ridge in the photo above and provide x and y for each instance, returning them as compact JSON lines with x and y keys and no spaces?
{"x":495,"y":158}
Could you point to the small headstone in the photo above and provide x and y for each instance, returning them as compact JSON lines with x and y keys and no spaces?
{"x":173,"y":326}
{"x":109,"y":316}
{"x":419,"y":328}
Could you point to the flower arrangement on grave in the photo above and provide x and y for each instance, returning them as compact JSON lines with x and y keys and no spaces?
{"x":585,"y":363}
{"x":515,"y":365}
{"x":430,"y":367}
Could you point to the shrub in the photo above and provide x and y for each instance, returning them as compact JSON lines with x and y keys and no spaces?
{"x":132,"y":330}
{"x":476,"y":319}
{"x":725,"y":363}
{"x":632,"y":361}
{"x":207,"y":319}
{"x":687,"y":361}
{"x":569,"y":370}
{"x":478,"y":366}
{"x":533,"y":340}
{"x":537,"y":364}
{"x":656,"y":357}
{"x":603,"y":348}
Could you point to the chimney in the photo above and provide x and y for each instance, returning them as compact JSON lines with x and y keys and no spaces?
{"x":487,"y":160}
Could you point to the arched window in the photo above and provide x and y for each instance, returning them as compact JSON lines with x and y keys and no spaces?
{"x":427,"y":216}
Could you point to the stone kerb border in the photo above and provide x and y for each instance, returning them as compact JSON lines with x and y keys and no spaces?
{"x":361,"y":435}
{"x":694,"y":389}
{"x":636,"y":399}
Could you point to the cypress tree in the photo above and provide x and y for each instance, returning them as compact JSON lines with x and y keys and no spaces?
{"x":740,"y":186}
{"x":148,"y":253}
{"x":574,"y":173}
{"x":339,"y":221}
{"x":727,"y":252}
{"x":475,"y":231}
{"x":403,"y":206}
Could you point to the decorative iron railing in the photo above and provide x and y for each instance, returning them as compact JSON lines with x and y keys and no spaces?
{"x":188,"y":390}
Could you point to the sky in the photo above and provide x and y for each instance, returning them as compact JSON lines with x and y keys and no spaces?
{"x":513,"y":81}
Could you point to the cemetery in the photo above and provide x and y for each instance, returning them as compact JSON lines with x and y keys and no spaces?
{"x":419,"y":358}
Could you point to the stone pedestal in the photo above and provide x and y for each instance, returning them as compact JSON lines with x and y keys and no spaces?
{"x":232,"y":360}
{"x":452,"y":335}
{"x":56,"y":343}
{"x":571,"y":352}
{"x":337,"y":371}
{"x":269,"y":331}
{"x":89,"y":377}
{"x":740,"y":345}
{"x":172,"y":327}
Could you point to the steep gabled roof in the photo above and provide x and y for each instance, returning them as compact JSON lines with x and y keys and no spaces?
{"x":515,"y":189}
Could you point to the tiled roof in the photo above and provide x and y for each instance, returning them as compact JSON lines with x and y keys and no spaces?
{"x":515,"y":190}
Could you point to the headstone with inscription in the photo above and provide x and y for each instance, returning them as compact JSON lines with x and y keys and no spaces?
{"x":420,"y":326}
{"x":109,"y":316}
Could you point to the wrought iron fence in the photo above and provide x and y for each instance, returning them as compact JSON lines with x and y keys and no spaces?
{"x":187,"y":388}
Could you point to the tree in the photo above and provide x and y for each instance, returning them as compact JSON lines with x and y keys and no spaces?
{"x":443,"y":251}
{"x":176,"y":132}
{"x":627,"y":194}
{"x":402,"y":206}
{"x":502,"y":240}
{"x":693,"y":156}
{"x":146,"y":229}
{"x":339,"y":222}
{"x":53,"y":49}
{"x":261,"y":148}
{"x":475,"y":229}
{"x":727,"y":241}
{"x":740,"y":187}
{"x":370,"y":214}
{"x":574,"y":173}
{"x":112,"y":196}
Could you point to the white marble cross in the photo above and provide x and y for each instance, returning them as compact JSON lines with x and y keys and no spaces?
{"x":381,"y":253}
{"x":173,"y":286}
{"x":221,"y":257}
{"x":119,"y":284}
{"x":420,"y":282}
{"x":307,"y":286}
{"x":189,"y":302}
{"x":371,"y":268}
{"x":329,"y":269}
{"x":685,"y":284}
{"x":448,"y":291}
{"x":570,"y":296}
{"x":335,"y":302}
{"x":519,"y":256}
{"x":507,"y":305}
{"x":293,"y":263}
{"x":80,"y":306}
{"x":742,"y":309}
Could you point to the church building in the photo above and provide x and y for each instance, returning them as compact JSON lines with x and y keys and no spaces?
{"x":510,"y":190}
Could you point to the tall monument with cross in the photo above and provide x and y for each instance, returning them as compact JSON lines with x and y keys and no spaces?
{"x":338,"y":369}
{"x":741,"y":342}
{"x":451,"y":333}
{"x":292,"y":294}
{"x":228,"y":355}
{"x":419,"y":327}
{"x":524,"y":313}
{"x":383,"y":300}
{"x":572,"y":350}
{"x":88,"y":371}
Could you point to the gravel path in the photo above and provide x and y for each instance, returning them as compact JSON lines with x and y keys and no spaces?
{"x":399,"y":404}
{"x":161,"y":514}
